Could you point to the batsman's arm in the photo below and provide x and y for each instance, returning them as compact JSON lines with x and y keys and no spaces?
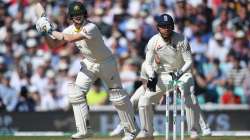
{"x":54,"y":42}
{"x":62,"y":38}
{"x":86,"y":33}
{"x":70,"y":37}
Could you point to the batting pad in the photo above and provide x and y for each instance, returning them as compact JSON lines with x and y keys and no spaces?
{"x":124,"y":108}
{"x":75,"y":94}
{"x":80,"y":108}
{"x":81,"y":114}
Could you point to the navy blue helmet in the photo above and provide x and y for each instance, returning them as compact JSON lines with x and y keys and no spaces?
{"x":165,"y":21}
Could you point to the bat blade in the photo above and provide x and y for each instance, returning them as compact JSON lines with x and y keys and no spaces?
{"x":39,"y":10}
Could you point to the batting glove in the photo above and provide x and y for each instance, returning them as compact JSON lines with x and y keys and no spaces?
{"x":43,"y":26}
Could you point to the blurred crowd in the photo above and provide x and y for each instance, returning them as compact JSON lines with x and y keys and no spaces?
{"x":34,"y":77}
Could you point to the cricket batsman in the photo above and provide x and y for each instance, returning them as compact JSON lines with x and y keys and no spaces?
{"x":98,"y":63}
{"x":175,"y":62}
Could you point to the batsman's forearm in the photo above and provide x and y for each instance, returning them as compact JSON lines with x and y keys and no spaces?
{"x":70,"y":37}
{"x":52,"y":42}
{"x":58,"y":35}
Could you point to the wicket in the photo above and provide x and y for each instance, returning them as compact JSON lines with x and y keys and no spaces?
{"x":176,"y":92}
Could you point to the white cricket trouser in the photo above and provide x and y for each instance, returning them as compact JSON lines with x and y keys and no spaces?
{"x":105,"y":70}
{"x":186,"y":86}
{"x":108,"y":72}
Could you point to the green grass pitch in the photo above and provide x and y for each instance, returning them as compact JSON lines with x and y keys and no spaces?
{"x":109,"y":138}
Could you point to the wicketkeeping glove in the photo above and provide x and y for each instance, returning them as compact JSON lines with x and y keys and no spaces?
{"x":152,"y":81}
{"x":176,"y":75}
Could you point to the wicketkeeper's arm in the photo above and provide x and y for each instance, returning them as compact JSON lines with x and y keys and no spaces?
{"x":187,"y":56}
{"x":150,"y":58}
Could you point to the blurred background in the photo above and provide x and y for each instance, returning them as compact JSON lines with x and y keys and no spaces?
{"x":33,"y":77}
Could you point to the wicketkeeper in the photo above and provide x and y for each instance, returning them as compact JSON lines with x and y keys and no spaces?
{"x":174,"y":54}
{"x":98,"y":63}
{"x":142,"y":90}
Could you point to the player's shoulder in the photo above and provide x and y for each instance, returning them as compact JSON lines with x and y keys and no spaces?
{"x":89,"y":26}
{"x":178,"y":36}
{"x":154,"y":38}
{"x":152,"y":41}
{"x":179,"y":39}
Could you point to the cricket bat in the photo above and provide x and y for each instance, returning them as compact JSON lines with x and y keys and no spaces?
{"x":39,"y":10}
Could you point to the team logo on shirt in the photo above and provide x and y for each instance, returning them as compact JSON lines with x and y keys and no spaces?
{"x":158,"y":47}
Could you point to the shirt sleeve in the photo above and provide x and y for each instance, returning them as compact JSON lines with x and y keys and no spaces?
{"x":150,"y":54}
{"x":67,"y":30}
{"x":90,"y":30}
{"x":187,"y":56}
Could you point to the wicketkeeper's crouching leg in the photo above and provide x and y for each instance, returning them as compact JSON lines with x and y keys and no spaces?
{"x":121,"y":102}
{"x":195,"y":120}
{"x":146,"y":113}
{"x":136,"y":96}
{"x":81,"y":111}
